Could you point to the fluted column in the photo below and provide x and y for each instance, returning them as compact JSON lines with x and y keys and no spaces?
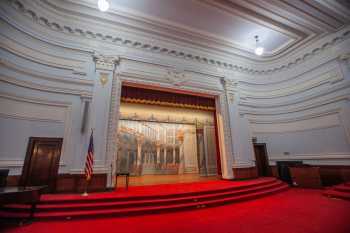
{"x":158,"y":144}
{"x":174,"y":154}
{"x":180,"y":138}
{"x":139,"y":140}
{"x":165,"y":159}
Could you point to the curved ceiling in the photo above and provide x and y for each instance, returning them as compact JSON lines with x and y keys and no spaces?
{"x":282,"y":25}
{"x":225,"y":28}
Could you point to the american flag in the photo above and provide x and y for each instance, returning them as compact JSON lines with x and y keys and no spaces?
{"x":89,"y":159}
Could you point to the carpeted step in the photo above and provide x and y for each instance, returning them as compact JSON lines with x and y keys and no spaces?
{"x":155,"y":209}
{"x":115,"y":197}
{"x":165,"y":198}
{"x":140,"y":203}
{"x":337,"y":194}
{"x":342,"y":188}
{"x":341,"y":191}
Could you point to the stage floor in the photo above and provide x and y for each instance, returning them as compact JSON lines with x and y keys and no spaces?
{"x":164,"y":179}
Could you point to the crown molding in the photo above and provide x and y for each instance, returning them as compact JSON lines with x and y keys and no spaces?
{"x":182,"y":54}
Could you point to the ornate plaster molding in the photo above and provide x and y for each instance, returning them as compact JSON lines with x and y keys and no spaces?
{"x":176,"y":77}
{"x":105,"y":62}
{"x":127,"y":42}
{"x":345,"y":58}
{"x":230,"y":85}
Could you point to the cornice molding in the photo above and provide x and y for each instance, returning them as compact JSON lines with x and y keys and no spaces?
{"x":56,"y":26}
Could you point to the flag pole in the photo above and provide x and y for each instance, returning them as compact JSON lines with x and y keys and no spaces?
{"x":88,"y":176}
{"x":85,"y":193}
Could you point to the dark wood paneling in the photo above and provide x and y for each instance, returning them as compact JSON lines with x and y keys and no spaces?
{"x":329,"y":174}
{"x":274,"y":171}
{"x":41,"y":162}
{"x":71,"y":183}
{"x":13,"y":180}
{"x":306,"y":177}
{"x":76,"y":183}
{"x":332,"y":175}
{"x":245,"y":173}
{"x":261,"y":159}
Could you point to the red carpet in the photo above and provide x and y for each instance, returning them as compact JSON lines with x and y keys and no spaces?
{"x":341,"y":191}
{"x":148,"y":199}
{"x":292,"y":211}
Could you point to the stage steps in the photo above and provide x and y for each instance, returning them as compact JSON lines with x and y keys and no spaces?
{"x":341,"y":191}
{"x":99,"y":206}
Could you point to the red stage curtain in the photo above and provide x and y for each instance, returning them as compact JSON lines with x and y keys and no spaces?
{"x":141,"y":95}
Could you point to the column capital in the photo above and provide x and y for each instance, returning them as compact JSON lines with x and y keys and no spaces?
{"x":229,"y":84}
{"x":105,"y":62}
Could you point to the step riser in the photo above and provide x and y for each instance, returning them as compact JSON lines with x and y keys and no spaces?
{"x":164,"y":210}
{"x":168,"y":196}
{"x":345,"y":190}
{"x":190,"y":199}
{"x":338,"y":196}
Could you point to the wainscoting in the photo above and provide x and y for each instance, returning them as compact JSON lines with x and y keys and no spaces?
{"x":67,"y":183}
{"x":245,"y":173}
{"x":71,"y":183}
{"x":329,"y":174}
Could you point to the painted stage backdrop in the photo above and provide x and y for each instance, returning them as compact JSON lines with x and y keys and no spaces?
{"x":153,"y":147}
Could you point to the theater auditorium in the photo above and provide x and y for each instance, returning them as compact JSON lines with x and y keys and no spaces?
{"x":168,"y":116}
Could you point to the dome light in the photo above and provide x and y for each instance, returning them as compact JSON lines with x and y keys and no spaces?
{"x":258,"y":49}
{"x":103,"y":5}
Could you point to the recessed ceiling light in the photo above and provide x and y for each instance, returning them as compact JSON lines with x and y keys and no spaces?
{"x":258,"y":49}
{"x":103,"y":5}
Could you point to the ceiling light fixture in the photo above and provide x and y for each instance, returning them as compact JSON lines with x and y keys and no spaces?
{"x":103,"y":5}
{"x":258,"y":49}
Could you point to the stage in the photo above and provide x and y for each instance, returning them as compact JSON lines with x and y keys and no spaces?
{"x":149,"y":199}
{"x":163,"y":179}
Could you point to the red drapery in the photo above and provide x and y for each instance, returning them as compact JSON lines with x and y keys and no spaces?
{"x":142,"y":95}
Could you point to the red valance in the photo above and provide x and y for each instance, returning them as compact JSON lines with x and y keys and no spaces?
{"x":148,"y":96}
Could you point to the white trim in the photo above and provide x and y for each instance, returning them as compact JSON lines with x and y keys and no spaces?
{"x":329,"y":156}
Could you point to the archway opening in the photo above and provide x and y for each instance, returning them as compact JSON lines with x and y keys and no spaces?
{"x":166,"y":136}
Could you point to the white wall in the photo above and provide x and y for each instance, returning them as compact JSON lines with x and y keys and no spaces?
{"x":47,"y":71}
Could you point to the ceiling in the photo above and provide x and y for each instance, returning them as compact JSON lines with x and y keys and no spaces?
{"x":229,"y":26}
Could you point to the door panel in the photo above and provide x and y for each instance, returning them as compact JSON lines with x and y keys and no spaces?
{"x":42,"y":162}
{"x":261,"y":160}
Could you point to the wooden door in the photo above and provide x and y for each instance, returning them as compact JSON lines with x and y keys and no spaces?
{"x":41,"y":162}
{"x":261,"y":159}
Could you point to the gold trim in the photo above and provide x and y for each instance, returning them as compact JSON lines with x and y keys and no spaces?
{"x":103,"y":78}
{"x":157,"y":102}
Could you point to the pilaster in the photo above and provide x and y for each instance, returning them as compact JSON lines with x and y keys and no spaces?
{"x":101,"y":106}
{"x":240,"y":139}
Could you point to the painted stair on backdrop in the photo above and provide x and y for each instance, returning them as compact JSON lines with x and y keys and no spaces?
{"x":341,"y":191}
{"x":150,"y":199}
